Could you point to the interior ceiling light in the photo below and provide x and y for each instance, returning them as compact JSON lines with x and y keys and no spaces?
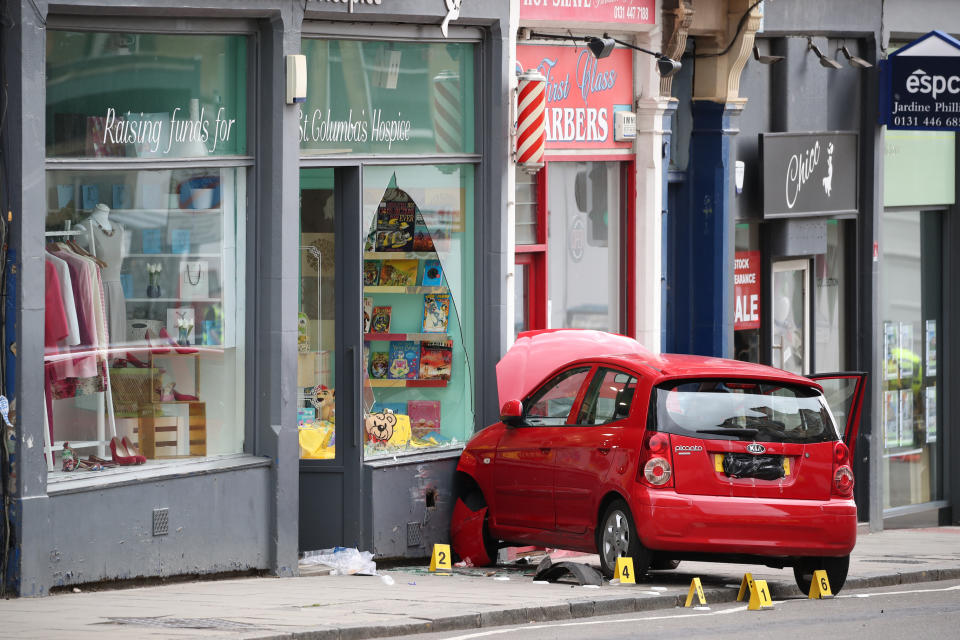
{"x":853,"y":60}
{"x":829,"y":63}
{"x":764,"y":59}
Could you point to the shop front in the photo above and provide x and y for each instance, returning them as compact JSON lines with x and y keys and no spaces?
{"x":205,"y":248}
{"x":586,"y":218}
{"x":398,"y":321}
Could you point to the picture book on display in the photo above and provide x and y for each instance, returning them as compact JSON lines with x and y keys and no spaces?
{"x":380,"y":319}
{"x":404,"y":360}
{"x":436,"y":312}
{"x":422,"y":240}
{"x":393,"y":215}
{"x":424,"y":416}
{"x":432,"y":274}
{"x":436,"y":360}
{"x":367,"y":314}
{"x":399,"y":273}
{"x":394,"y":240}
{"x":379,"y":364}
{"x":371,"y":272}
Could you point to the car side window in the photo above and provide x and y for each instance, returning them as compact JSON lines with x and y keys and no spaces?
{"x":551,"y":405}
{"x":608,"y":399}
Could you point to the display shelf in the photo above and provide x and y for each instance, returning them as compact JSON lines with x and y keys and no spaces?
{"x":411,"y":289}
{"x":399,"y":255}
{"x":386,"y":382}
{"x":173,"y":255}
{"x":420,"y":337}
{"x":174,"y":299}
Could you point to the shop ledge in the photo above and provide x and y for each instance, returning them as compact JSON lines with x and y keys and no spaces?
{"x":399,"y":255}
{"x":412,"y":289}
{"x":167,"y":469}
{"x":421,"y":337}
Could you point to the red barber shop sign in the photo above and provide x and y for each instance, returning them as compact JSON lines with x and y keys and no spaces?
{"x":619,"y":11}
{"x":582,"y":93}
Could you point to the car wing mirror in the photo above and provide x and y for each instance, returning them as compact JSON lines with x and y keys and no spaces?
{"x":511,"y":414}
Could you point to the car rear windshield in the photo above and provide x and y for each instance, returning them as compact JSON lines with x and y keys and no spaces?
{"x":741,"y":410}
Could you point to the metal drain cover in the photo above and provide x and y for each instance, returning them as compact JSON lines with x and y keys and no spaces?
{"x":164,"y":622}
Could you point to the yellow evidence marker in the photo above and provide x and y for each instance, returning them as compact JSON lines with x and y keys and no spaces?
{"x":624,"y":572}
{"x":696,"y":588}
{"x":440,"y":558}
{"x":820,"y":585}
{"x":758,"y":590}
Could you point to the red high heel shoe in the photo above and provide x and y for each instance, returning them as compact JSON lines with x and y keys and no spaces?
{"x":137,"y":362}
{"x":146,"y":336}
{"x":182,"y":397}
{"x":120,"y":454}
{"x":176,"y":347}
{"x":132,"y":450}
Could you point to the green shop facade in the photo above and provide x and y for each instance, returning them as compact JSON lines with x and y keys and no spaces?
{"x":267,"y":327}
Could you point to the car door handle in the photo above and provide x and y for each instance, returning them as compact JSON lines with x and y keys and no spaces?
{"x":544,"y":449}
{"x":603,"y":450}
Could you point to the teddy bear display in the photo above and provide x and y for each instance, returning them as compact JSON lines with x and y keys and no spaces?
{"x":324,"y":401}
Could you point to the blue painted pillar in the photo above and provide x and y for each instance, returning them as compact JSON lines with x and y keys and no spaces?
{"x":701,"y":287}
{"x":669,"y":114}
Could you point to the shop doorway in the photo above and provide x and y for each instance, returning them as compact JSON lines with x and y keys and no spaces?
{"x":790,"y":329}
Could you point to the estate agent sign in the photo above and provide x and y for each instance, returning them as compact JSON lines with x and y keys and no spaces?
{"x":920,"y":85}
{"x":809,"y":174}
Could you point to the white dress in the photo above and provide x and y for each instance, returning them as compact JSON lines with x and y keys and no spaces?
{"x":109,"y":248}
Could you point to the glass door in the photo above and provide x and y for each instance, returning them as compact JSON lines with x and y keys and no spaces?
{"x":790,"y":331}
{"x":316,"y":319}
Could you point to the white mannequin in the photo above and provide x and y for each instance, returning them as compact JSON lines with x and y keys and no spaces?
{"x":101,"y":215}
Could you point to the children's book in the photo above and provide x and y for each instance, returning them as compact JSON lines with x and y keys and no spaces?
{"x":399,"y":273}
{"x":367,"y":314}
{"x":379,"y":364}
{"x":380,"y":319}
{"x":436,"y":360}
{"x":422,"y":240}
{"x":404,"y":360}
{"x":424,"y":416}
{"x":394,"y":215}
{"x":394,"y":240}
{"x":432,"y":274}
{"x":399,"y":408}
{"x":371,"y":272}
{"x":436,"y":312}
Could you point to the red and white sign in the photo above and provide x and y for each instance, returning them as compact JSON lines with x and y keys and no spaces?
{"x":624,"y":12}
{"x":746,"y":290}
{"x":582,"y":93}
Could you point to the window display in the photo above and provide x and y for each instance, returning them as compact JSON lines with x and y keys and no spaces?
{"x":418,"y":291}
{"x":910,"y":309}
{"x":144,"y":301}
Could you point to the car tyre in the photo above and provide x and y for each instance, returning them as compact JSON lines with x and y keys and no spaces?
{"x":617,"y":538}
{"x":475,"y":501}
{"x":836,"y":569}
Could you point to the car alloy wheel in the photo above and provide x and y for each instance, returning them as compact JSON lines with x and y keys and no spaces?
{"x":617,"y":538}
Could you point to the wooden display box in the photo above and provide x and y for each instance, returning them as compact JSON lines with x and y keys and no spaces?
{"x":160,"y":436}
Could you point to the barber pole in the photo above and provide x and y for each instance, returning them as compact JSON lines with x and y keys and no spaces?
{"x":448,"y":113}
{"x":531,"y":121}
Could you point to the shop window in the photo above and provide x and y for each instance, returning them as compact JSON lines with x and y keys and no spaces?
{"x":830,"y":294}
{"x":909,"y":381}
{"x":389,"y":98}
{"x":527,"y":224}
{"x":747,"y":293}
{"x":418,"y":307}
{"x":125,"y":95}
{"x":584,"y":251}
{"x":144,"y":305}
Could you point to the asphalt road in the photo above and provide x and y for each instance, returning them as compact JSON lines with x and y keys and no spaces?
{"x":930,"y":611}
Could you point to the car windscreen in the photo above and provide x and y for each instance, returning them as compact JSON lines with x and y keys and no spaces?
{"x":742,"y":410}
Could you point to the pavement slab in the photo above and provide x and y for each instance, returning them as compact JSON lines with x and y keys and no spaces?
{"x":325,"y":607}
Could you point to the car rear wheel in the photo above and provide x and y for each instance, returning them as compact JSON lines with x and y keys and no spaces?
{"x":836,"y":569}
{"x":617,"y":538}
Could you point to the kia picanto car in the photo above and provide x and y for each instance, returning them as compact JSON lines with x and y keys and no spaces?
{"x":606,"y":447}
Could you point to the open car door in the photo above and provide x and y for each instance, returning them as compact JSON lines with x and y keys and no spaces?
{"x":844,"y":392}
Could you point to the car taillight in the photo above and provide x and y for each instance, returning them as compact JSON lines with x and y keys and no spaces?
{"x":842,"y":474}
{"x":843,"y":481}
{"x":655,"y":468}
{"x":657,"y":471}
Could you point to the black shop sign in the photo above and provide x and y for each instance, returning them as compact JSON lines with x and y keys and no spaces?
{"x":807,"y":174}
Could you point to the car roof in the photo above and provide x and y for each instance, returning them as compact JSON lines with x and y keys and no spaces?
{"x":677,"y":365}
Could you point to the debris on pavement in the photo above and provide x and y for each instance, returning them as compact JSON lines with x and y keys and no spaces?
{"x":584,"y":574}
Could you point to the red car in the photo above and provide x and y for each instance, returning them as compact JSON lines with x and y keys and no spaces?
{"x":603,"y":446}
